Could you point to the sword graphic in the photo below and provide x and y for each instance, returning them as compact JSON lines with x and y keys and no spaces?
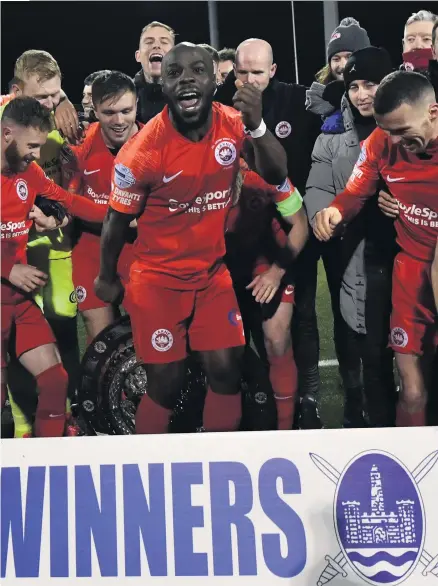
{"x":336,"y":565}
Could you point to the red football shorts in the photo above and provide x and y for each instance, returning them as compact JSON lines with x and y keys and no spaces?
{"x":165,"y":321}
{"x":32,"y":329}
{"x":413,"y":322}
{"x":86,"y":263}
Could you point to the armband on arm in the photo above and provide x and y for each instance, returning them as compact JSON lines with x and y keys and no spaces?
{"x":288,"y":200}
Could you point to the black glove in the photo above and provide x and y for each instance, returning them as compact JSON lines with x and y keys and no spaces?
{"x":49,"y":207}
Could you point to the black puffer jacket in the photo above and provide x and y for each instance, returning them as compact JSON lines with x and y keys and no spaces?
{"x":150,"y":98}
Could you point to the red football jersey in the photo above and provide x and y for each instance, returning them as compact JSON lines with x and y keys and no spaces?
{"x":18,"y":196}
{"x":412,"y":180}
{"x":183,"y":190}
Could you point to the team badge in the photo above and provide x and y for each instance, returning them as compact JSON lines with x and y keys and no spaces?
{"x":123,"y":176}
{"x":81,"y":293}
{"x":225,"y":153}
{"x":379,"y":519}
{"x":162,"y":340}
{"x":283,"y":129}
{"x":22,"y":190}
{"x":234,"y":317}
{"x":335,"y":36}
{"x":100,"y":347}
{"x":399,"y":337}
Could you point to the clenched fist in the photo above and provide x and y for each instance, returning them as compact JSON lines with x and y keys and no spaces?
{"x":110,"y":292}
{"x":325,"y":223}
{"x":248,"y":100}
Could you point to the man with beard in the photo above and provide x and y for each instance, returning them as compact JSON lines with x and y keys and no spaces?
{"x":176,"y":176}
{"x":90,"y":168}
{"x":25,"y":126}
{"x":156,"y":40}
{"x":404,"y":152}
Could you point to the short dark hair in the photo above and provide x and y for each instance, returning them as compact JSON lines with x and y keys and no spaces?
{"x":400,"y":87}
{"x":110,"y":84}
{"x":226,"y":54}
{"x":211,"y":50}
{"x":435,"y":28}
{"x":29,"y":113}
{"x":90,"y":78}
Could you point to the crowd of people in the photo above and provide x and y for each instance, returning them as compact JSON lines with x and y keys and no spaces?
{"x":199,"y":197}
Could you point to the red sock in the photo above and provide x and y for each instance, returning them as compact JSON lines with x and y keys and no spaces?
{"x":50,"y":415}
{"x":407,"y":419}
{"x":284,"y":380}
{"x":151,"y":417}
{"x":222,"y":412}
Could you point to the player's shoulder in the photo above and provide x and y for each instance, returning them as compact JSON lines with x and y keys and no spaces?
{"x":227,"y":113}
{"x":146,"y":145}
{"x":377,"y":146}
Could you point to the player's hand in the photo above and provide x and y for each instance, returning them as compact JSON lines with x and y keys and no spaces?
{"x":42,"y":222}
{"x":67,"y":122}
{"x":325,"y":223}
{"x":266,"y":285}
{"x":248,"y":100}
{"x":110,"y":292}
{"x":27,"y":278}
{"x":388,"y":205}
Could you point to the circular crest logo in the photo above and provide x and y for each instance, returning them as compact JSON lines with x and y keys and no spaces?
{"x":225,"y":153}
{"x":260,"y":398}
{"x":234,"y":317}
{"x":399,"y":337}
{"x":283,"y":129}
{"x":81,"y":293}
{"x":123,"y":176}
{"x":88,"y":406}
{"x":162,"y":340}
{"x":22,"y":190}
{"x":379,"y":518}
{"x":73,"y":298}
{"x":100,"y":347}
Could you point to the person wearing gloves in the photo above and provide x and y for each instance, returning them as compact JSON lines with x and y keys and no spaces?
{"x":362,"y":259}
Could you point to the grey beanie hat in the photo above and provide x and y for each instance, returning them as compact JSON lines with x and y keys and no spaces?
{"x":348,"y":36}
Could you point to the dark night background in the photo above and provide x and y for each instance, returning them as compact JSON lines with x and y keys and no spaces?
{"x":87,"y":36}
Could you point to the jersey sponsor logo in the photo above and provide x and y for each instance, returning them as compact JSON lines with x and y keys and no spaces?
{"x":213,"y":200}
{"x":81,"y":294}
{"x":357,"y":173}
{"x":22,"y":190}
{"x":419,"y":216}
{"x":394,"y":179}
{"x":101,"y":198}
{"x":399,"y":337}
{"x":162,"y":340}
{"x":225,"y":153}
{"x":124,"y":197}
{"x":283,"y":129}
{"x":169,"y":179}
{"x":13,"y":229}
{"x":123,"y":176}
{"x":234,"y":317}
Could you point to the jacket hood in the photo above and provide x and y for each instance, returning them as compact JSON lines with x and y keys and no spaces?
{"x":315,"y":103}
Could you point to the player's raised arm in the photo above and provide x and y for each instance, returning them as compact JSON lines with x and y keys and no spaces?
{"x":270,"y":160}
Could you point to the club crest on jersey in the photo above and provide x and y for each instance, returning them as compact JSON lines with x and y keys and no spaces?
{"x":81,"y":293}
{"x":283,"y":129}
{"x":162,"y":340}
{"x":234,"y":317}
{"x":399,"y":337}
{"x":225,"y":153}
{"x":123,"y":176}
{"x":22,"y":190}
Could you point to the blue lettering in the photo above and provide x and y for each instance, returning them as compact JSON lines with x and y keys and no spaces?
{"x":284,"y":517}
{"x":98,"y":520}
{"x":185,"y":518}
{"x":147,"y":519}
{"x":224,"y":514}
{"x":58,"y":522}
{"x":26,"y":544}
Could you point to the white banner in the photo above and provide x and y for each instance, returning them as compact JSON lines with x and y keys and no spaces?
{"x":340,"y":507}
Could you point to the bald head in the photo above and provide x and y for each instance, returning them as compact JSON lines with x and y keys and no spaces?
{"x":255,"y":63}
{"x":186,"y":51}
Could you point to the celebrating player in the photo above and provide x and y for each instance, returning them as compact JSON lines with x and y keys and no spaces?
{"x":257,"y":257}
{"x":25,"y":125}
{"x":89,"y":167}
{"x":176,"y":175}
{"x":404,"y":152}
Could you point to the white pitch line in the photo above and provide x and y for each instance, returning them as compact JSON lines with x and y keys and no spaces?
{"x":328,"y":363}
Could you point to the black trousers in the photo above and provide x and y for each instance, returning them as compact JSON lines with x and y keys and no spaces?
{"x":305,"y":333}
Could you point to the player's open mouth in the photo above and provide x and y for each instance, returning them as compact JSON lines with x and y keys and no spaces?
{"x":119,"y":131}
{"x":189,"y":100}
{"x":155,"y":58}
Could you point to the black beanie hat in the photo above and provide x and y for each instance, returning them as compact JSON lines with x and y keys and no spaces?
{"x":349,"y":37}
{"x":371,"y":64}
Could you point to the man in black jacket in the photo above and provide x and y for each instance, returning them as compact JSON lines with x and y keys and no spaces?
{"x":285,"y":115}
{"x":156,"y":40}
